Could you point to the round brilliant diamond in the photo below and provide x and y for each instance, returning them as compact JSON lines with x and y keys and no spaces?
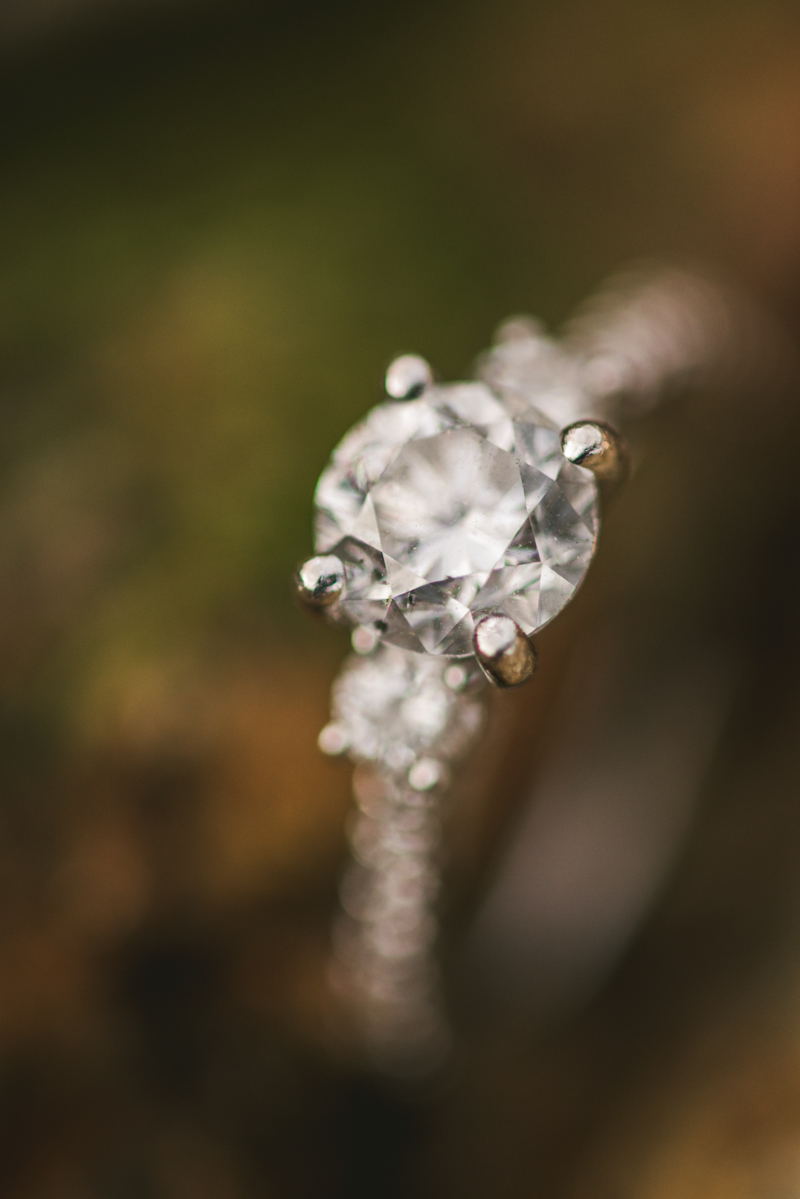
{"x":452,"y":505}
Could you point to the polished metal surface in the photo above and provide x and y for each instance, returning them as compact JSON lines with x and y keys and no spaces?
{"x":407,"y":377}
{"x":504,"y":652}
{"x":319,"y":582}
{"x":599,"y":448}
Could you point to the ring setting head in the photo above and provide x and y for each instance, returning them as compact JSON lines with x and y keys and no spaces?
{"x":450,"y":506}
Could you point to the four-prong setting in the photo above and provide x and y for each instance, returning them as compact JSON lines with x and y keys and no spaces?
{"x":451,"y":506}
{"x":596,"y":446}
{"x":504,"y":653}
{"x":319,"y":582}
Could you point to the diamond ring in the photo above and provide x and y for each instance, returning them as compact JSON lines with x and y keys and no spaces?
{"x":452,"y":523}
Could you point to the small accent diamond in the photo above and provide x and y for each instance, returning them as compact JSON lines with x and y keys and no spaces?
{"x":393,"y":708}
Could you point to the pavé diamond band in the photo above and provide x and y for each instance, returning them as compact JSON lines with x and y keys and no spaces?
{"x":452,"y":523}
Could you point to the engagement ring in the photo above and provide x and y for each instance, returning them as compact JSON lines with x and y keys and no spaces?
{"x":453,"y":523}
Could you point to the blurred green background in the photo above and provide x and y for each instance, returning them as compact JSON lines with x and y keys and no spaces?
{"x":218,"y":223}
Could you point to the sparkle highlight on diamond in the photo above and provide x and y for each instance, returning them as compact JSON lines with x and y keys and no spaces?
{"x":450,"y":506}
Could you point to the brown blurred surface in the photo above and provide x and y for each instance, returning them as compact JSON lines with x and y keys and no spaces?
{"x":217,"y":224}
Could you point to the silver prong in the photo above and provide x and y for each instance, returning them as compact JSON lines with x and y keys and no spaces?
{"x":319,"y":582}
{"x":505,"y":654}
{"x":598,"y":447}
{"x":407,"y":377}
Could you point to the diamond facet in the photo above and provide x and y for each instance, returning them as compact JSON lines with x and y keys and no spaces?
{"x":450,"y":506}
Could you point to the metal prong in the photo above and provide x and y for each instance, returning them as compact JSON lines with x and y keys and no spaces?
{"x":598,"y":447}
{"x":319,"y":582}
{"x":504,"y":652}
{"x":407,"y":377}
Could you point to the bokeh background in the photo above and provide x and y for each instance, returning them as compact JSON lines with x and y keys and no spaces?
{"x":218,"y":222}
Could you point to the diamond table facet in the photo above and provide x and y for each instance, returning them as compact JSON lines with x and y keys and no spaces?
{"x":452,"y":505}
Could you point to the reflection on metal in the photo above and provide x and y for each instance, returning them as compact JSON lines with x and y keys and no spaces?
{"x":319,"y":582}
{"x":503,"y":651}
{"x":407,"y":377}
{"x":598,"y":447}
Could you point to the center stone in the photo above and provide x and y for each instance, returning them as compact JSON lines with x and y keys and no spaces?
{"x":453,"y":505}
